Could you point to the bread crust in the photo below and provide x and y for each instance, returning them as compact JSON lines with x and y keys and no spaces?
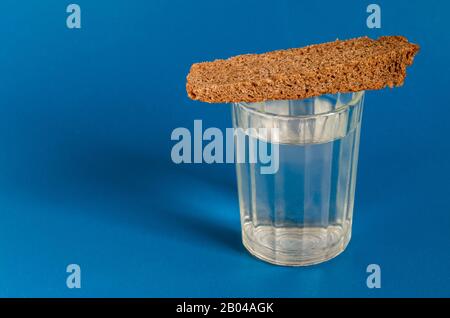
{"x":327,"y":68}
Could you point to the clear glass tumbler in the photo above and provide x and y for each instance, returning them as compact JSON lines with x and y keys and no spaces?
{"x":302,"y":213}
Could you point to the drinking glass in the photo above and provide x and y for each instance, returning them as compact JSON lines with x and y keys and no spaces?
{"x":300,"y":214}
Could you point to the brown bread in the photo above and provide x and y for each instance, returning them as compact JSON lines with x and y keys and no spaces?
{"x":328,"y":68}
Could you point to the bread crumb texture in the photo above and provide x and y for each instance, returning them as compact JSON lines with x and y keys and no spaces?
{"x":328,"y":68}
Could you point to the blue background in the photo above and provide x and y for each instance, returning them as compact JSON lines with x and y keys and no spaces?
{"x":86,"y":175}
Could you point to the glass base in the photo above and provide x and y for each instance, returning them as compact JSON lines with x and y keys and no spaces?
{"x":293,"y":246}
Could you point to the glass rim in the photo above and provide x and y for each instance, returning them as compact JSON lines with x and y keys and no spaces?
{"x":356,"y":98}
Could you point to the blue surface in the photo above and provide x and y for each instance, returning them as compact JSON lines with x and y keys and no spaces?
{"x":86,"y":176}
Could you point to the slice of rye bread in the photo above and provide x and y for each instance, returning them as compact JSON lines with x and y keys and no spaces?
{"x":328,"y":68}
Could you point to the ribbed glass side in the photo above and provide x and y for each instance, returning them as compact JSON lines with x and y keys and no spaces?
{"x":302,"y":214}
